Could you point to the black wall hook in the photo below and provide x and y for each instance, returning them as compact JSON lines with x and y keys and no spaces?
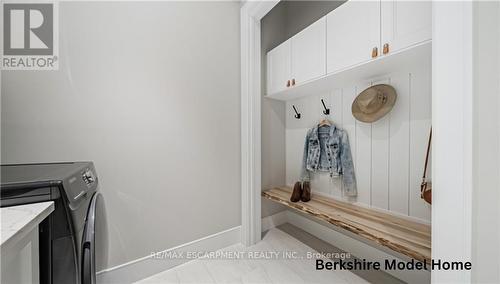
{"x":297,"y":115}
{"x":327,"y":110}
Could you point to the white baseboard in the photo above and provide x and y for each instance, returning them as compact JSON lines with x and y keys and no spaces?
{"x":348,"y":242}
{"x":147,"y":266}
{"x":275,"y":220}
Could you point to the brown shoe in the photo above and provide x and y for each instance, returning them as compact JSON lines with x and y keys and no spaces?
{"x":297,"y":192}
{"x":306,"y":192}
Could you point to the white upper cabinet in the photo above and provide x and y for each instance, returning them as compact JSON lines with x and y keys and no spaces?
{"x":309,"y":53}
{"x":353,"y":34}
{"x":405,"y":23}
{"x":278,"y":68}
{"x":349,"y":39}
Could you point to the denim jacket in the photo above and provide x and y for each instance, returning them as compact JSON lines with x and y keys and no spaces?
{"x":327,"y":149}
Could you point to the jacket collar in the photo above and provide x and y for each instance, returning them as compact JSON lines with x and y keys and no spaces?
{"x":314,"y":134}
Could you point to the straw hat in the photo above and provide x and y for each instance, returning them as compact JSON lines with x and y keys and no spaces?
{"x":374,"y":102}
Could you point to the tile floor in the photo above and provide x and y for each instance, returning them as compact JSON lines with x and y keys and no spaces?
{"x":280,"y":270}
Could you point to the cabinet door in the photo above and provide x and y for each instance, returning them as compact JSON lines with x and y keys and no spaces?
{"x":309,"y":52}
{"x":353,"y":31}
{"x":405,"y":23}
{"x":278,"y":68}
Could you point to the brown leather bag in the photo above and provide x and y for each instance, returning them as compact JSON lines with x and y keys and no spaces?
{"x":426,"y":186}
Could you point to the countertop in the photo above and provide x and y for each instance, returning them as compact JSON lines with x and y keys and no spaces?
{"x":17,"y":221}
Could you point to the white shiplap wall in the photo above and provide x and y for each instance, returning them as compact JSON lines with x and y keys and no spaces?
{"x":388,"y":155}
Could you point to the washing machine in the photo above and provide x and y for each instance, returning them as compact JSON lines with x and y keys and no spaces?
{"x":73,"y":239}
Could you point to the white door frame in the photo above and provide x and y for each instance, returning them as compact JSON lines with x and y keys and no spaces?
{"x":250,"y":16}
{"x":451,"y":119}
{"x":452,"y":116}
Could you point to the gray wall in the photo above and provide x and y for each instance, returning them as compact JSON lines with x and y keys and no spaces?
{"x":300,"y":14}
{"x":288,"y":18}
{"x":149,"y":92}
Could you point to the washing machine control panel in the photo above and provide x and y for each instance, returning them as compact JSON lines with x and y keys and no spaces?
{"x":88,"y":177}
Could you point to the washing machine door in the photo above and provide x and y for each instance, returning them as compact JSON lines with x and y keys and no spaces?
{"x":94,"y":242}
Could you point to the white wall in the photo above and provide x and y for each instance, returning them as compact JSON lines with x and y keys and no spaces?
{"x":149,"y":92}
{"x":486,"y":163}
{"x":388,"y":155}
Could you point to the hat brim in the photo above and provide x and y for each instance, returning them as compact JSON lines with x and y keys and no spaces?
{"x":385,"y":109}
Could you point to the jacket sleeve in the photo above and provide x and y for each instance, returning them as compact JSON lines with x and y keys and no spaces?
{"x":348,"y":176}
{"x":304,"y":173}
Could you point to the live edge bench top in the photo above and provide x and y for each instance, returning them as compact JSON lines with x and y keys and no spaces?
{"x":407,"y":237}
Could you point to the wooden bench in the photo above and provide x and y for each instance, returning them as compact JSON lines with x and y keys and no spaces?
{"x":407,"y":237}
